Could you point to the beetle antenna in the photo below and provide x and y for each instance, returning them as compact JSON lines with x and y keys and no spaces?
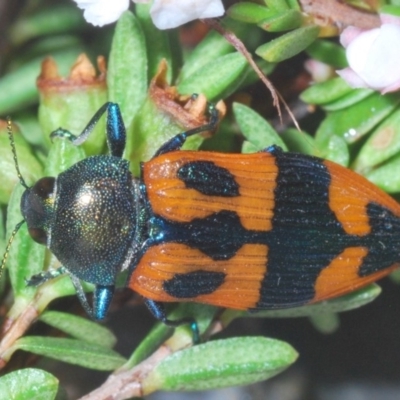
{"x":14,"y":151}
{"x":10,"y":240}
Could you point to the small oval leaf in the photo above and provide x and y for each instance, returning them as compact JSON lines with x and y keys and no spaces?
{"x":354,"y":122}
{"x":326,"y":92}
{"x":383,"y":144}
{"x":80,"y":328}
{"x":221,"y":363}
{"x":387,"y":176}
{"x":249,"y":12}
{"x":209,"y":49}
{"x":218,"y":77}
{"x":325,"y":323}
{"x":28,"y":384}
{"x":328,"y":52}
{"x":289,"y":44}
{"x":336,"y":150}
{"x":300,"y":142}
{"x":349,"y":99}
{"x":71,"y":351}
{"x":256,"y":129}
{"x":283,"y":21}
{"x":159,"y":47}
{"x":127,"y":69}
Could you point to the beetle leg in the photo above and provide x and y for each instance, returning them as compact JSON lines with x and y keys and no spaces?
{"x":101,"y":299}
{"x":39,"y":279}
{"x":177,"y":141}
{"x":158,"y":311}
{"x":273,"y":149}
{"x":116,"y":134}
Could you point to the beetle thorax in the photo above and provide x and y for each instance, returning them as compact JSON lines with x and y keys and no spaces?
{"x":94,"y":218}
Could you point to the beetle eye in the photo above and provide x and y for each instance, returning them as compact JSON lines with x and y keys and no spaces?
{"x":37,"y":208}
{"x":38,"y":235}
{"x":44,"y":187}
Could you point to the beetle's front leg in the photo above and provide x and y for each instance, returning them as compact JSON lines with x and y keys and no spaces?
{"x":42,"y":277}
{"x":116,"y":133}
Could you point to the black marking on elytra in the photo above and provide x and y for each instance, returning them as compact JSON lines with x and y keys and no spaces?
{"x":219,"y":236}
{"x":382,"y":242}
{"x":193,"y":284}
{"x":209,"y":179}
{"x":306,"y":235}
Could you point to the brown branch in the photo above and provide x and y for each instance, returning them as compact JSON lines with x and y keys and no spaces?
{"x":12,"y":330}
{"x":339,"y":14}
{"x":126,"y":384}
{"x":241,"y":48}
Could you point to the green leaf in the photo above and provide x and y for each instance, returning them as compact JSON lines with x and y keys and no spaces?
{"x":294,"y":4}
{"x":249,"y":12}
{"x":18,"y":88}
{"x":326,"y":92}
{"x":209,"y":49}
{"x":28,"y":384}
{"x":283,"y":21}
{"x":30,"y":168}
{"x":72,"y":110}
{"x":251,"y":76}
{"x":63,"y":154}
{"x":256,"y":129}
{"x":127,"y":68}
{"x":387,"y":176}
{"x":158,"y":45}
{"x":217,"y":78}
{"x":289,"y":44}
{"x":72,"y":351}
{"x":349,"y":99}
{"x":354,"y":122}
{"x":328,"y":52}
{"x":158,"y":334}
{"x":383,"y":144}
{"x":300,"y":142}
{"x":221,"y":363}
{"x":336,"y":150}
{"x":325,"y":323}
{"x":390,"y":9}
{"x":277,"y":5}
{"x":29,"y":127}
{"x":150,"y":129}
{"x":249,"y":148}
{"x":80,"y":328}
{"x":49,"y":21}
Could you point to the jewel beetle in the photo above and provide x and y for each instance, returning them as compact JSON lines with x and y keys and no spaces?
{"x":258,"y":231}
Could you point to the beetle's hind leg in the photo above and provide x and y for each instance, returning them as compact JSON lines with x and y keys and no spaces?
{"x":158,"y":311}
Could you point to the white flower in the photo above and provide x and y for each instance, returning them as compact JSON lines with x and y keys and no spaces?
{"x":165,"y":14}
{"x":102,"y":12}
{"x":168,"y":14}
{"x":373,"y":56}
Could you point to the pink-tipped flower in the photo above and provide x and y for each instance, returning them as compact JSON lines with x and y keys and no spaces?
{"x":373,"y":56}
